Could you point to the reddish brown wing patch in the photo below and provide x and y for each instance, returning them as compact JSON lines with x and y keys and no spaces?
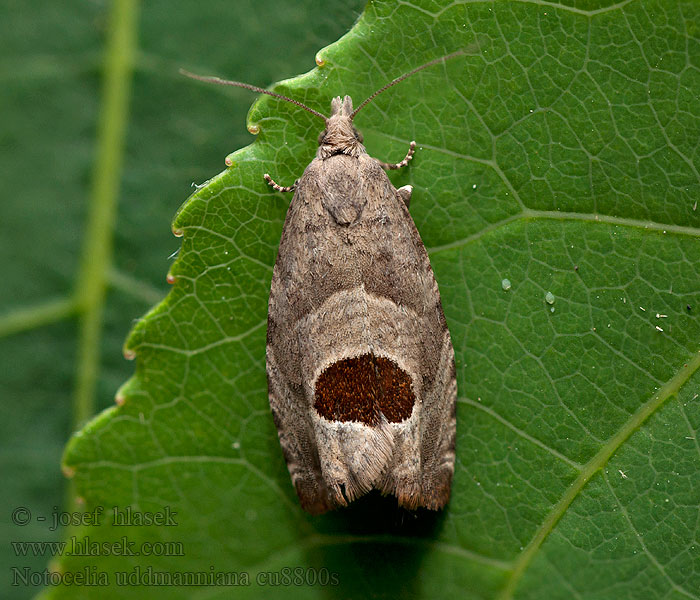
{"x":358,"y":389}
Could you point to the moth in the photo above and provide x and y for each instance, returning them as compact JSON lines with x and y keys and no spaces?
{"x":360,"y":365}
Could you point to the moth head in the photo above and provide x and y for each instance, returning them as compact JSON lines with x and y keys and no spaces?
{"x":340,"y":135}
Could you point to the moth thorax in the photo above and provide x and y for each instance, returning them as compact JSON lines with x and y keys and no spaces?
{"x":359,"y":389}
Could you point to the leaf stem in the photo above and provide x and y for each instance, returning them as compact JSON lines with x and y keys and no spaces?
{"x":97,"y":245}
{"x":36,"y":316}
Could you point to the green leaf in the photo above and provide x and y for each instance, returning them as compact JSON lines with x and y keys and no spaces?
{"x":561,"y":154}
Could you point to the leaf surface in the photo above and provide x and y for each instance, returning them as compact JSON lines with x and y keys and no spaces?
{"x":561,"y":154}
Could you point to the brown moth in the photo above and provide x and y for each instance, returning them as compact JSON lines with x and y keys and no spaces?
{"x":360,"y":365}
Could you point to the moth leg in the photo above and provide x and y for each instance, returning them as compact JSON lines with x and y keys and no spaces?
{"x":404,"y":162}
{"x":277,"y":187}
{"x":404,"y":193}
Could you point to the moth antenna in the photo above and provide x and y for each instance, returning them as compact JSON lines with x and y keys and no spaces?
{"x":252,"y":88}
{"x":404,"y":76}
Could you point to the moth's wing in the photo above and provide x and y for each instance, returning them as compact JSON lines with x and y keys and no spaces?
{"x":439,"y":401}
{"x":408,"y":280}
{"x":421,"y":473}
{"x":297,"y":440}
{"x":288,"y":401}
{"x":438,"y":424}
